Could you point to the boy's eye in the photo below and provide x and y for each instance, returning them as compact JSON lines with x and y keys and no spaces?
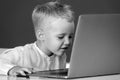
{"x":71,"y":36}
{"x":60,"y":37}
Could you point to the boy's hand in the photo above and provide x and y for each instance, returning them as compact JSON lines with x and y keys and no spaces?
{"x":19,"y":71}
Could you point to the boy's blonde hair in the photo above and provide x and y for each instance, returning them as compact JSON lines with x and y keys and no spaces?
{"x":51,"y":9}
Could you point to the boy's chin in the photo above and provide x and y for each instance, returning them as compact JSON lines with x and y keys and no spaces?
{"x":60,"y":53}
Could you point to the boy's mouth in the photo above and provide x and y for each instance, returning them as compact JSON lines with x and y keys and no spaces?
{"x":64,"y":48}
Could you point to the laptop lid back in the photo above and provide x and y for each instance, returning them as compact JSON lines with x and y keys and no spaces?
{"x":96,"y":47}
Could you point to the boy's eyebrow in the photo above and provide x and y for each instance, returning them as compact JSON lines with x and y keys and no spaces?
{"x":61,"y":34}
{"x":65,"y":34}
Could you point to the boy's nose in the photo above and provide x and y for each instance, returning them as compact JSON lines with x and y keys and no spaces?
{"x":67,"y":41}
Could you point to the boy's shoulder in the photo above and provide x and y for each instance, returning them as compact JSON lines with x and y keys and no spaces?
{"x":24,"y":48}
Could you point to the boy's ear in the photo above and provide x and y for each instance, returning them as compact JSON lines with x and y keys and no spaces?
{"x":40,"y":35}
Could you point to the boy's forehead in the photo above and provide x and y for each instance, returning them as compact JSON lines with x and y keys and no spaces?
{"x":48,"y":20}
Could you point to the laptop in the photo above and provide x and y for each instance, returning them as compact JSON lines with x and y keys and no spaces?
{"x":96,"y":48}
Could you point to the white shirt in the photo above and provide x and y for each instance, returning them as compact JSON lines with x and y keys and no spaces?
{"x":30,"y":56}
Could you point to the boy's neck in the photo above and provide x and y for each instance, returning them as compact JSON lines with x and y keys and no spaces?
{"x":39,"y":45}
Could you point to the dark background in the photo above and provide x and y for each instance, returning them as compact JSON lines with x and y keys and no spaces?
{"x":16,"y":28}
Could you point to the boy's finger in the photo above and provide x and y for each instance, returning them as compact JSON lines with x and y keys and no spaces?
{"x":21,"y":73}
{"x":26,"y":70}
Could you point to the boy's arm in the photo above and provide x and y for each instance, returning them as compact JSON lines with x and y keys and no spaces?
{"x":7,"y":60}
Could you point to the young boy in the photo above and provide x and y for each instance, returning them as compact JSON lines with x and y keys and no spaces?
{"x":54,"y":28}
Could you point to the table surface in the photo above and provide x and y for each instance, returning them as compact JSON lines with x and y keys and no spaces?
{"x":109,"y":77}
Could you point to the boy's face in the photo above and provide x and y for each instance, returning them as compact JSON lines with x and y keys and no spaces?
{"x":58,"y":36}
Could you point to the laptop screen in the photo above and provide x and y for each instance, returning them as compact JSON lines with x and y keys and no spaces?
{"x":96,"y":47}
